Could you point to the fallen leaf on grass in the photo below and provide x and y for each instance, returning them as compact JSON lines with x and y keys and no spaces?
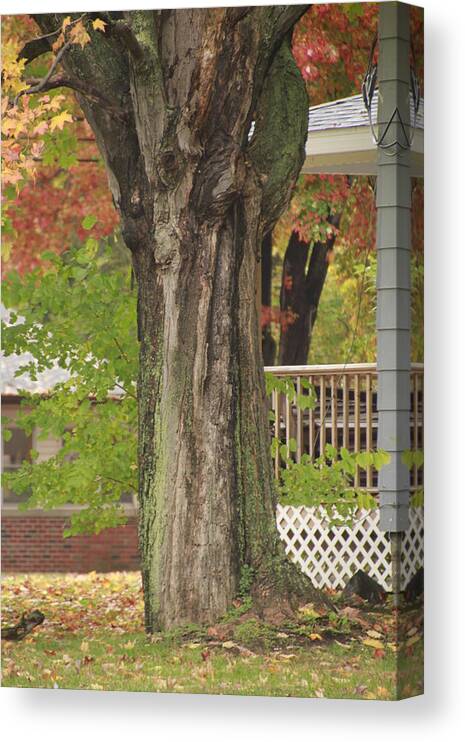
{"x":218,"y":632}
{"x":244,"y":652}
{"x":315,"y":637}
{"x":375,"y":643}
{"x":309,"y":611}
{"x":229,"y":645}
{"x":354,"y":614}
{"x":374,"y":634}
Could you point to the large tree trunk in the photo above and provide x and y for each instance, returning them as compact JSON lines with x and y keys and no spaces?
{"x":195,"y":198}
{"x":301,"y":289}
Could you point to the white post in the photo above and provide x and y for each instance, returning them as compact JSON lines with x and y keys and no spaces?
{"x":393,"y":276}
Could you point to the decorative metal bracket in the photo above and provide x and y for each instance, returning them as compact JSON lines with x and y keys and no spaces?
{"x":394,"y":146}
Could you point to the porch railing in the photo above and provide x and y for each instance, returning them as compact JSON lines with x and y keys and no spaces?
{"x":344,"y":414}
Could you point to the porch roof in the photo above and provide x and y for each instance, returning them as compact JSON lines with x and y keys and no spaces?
{"x":340,"y":141}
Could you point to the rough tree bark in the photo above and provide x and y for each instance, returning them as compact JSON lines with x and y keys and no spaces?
{"x":268,"y":342}
{"x":301,"y":288}
{"x":195,"y":198}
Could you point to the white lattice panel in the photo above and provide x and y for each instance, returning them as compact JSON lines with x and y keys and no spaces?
{"x":330,"y":556}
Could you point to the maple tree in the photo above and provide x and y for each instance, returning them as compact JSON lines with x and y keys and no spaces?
{"x":52,"y":172}
{"x":221,"y":357}
{"x":331,"y":45}
{"x":192,"y":192}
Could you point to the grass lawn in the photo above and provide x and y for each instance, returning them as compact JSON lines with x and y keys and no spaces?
{"x":93,"y":638}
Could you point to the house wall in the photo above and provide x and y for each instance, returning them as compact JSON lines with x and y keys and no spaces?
{"x":33,"y":542}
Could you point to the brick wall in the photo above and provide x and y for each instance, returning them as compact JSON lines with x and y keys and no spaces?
{"x":36,"y":544}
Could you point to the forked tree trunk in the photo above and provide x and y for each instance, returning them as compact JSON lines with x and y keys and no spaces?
{"x":206,"y":488}
{"x":195,"y":198}
{"x":302,"y":284}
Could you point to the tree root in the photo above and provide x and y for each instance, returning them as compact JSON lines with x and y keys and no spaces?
{"x":280,"y":598}
{"x":23,"y":627}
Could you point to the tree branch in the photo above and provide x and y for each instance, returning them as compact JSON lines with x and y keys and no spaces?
{"x":66,"y":81}
{"x":42,"y":44}
{"x":277,"y":147}
{"x":284,"y":17}
{"x":41,"y":85}
{"x":123,"y":31}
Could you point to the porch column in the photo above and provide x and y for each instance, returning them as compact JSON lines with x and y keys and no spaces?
{"x":393,"y":272}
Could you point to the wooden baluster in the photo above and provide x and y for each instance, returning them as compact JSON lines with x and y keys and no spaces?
{"x":369,"y":426}
{"x":288,"y":412}
{"x":415,"y":424}
{"x":300,"y":430}
{"x":345,"y":410}
{"x":334,"y":441}
{"x":275,"y":408}
{"x":311,"y":427}
{"x":357,"y":424}
{"x":322,"y":414}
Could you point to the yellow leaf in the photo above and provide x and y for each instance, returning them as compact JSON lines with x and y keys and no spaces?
{"x":374,"y":634}
{"x":84,"y":646}
{"x":66,"y":22}
{"x":316,"y":637}
{"x":375,"y":643}
{"x":228,"y":645}
{"x":59,"y":120}
{"x":59,"y":42}
{"x":99,"y":25}
{"x":309,"y":611}
{"x":79,"y":35}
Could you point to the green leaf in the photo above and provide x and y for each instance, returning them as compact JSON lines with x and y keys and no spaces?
{"x":88,"y":221}
{"x":380,"y":459}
